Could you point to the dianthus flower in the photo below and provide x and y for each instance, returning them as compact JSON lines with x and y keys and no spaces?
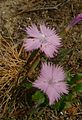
{"x":75,"y":20}
{"x":44,"y":38}
{"x":52,"y":82}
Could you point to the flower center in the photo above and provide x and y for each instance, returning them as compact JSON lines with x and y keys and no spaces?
{"x":42,"y":38}
{"x":50,"y":82}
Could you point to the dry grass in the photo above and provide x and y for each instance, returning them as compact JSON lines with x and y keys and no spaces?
{"x":15,"y":66}
{"x":10,"y":65}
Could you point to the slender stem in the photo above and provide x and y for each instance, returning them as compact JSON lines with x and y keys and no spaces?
{"x":34,"y":65}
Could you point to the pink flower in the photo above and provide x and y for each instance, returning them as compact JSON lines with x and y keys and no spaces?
{"x":44,"y":38}
{"x":75,"y":20}
{"x":52,"y":82}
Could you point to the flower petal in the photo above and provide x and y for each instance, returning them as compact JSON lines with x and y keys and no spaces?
{"x":49,"y":49}
{"x":55,"y":40}
{"x":53,"y":95}
{"x":77,"y":19}
{"x":32,"y":31}
{"x":41,"y":84}
{"x":46,"y":30}
{"x":58,"y":74}
{"x":46,"y":71}
{"x":62,"y":88}
{"x":31,"y":44}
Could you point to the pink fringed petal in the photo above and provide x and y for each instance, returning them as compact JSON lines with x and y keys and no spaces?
{"x":33,"y":31}
{"x":31,"y":44}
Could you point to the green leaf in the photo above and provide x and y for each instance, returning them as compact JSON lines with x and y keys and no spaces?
{"x":69,"y":97}
{"x":68,"y":105}
{"x":27,"y":85}
{"x":78,"y":76}
{"x":69,"y":79}
{"x":62,"y":105}
{"x":78,"y":87}
{"x":38,"y":97}
{"x":59,"y":106}
{"x":72,"y":79}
